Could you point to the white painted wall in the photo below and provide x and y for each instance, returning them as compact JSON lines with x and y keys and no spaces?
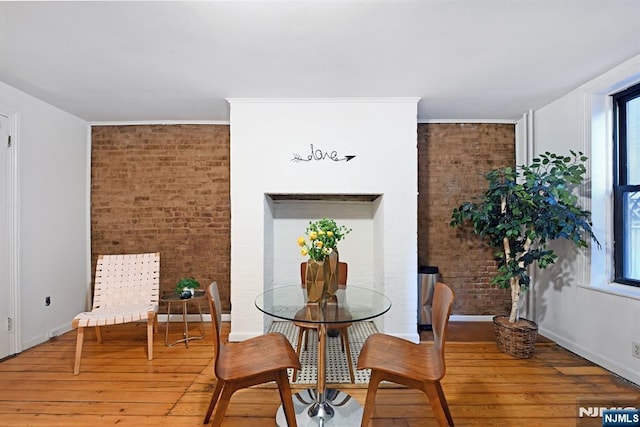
{"x":265,"y":136}
{"x":575,"y":303}
{"x":53,"y":206}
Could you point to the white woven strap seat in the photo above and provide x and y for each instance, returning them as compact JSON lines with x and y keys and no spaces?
{"x":126,"y":290}
{"x":116,"y":315}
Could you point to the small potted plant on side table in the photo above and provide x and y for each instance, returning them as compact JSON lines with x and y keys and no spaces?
{"x":186,"y":287}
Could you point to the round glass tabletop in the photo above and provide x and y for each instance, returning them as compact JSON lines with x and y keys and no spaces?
{"x":350,"y":304}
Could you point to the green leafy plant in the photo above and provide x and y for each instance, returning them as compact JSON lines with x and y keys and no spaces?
{"x":186,"y":282}
{"x":322,"y":238}
{"x":522,"y":211}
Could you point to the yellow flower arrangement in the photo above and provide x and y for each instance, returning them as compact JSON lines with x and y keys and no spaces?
{"x":323,"y":237}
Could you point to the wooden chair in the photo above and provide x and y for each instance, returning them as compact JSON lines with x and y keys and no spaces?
{"x":126,"y":290}
{"x":418,"y":366}
{"x":251,"y":362}
{"x":343,"y":332}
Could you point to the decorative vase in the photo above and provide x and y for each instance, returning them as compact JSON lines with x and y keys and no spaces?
{"x":322,"y":278}
{"x":332,"y":281}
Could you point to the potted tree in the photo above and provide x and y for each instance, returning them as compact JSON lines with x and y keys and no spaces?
{"x":523,"y":210}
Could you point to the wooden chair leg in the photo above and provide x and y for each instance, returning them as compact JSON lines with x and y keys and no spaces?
{"x":150,"y":323}
{"x":445,"y":405}
{"x":79,"y":342}
{"x":223,"y":404}
{"x":285,"y":396}
{"x":370,"y":401}
{"x":98,"y":334}
{"x":214,"y":400}
{"x":437,"y":405}
{"x":344,"y":333}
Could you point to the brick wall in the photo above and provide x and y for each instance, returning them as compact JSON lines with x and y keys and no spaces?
{"x":451,"y":161}
{"x":164,"y":188}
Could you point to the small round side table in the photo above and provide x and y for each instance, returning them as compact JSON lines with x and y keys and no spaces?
{"x":173,"y":298}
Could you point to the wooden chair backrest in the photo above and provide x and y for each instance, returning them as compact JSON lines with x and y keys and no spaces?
{"x":343,"y":272}
{"x":213,"y":296}
{"x":441,"y":310}
{"x":126,"y":280}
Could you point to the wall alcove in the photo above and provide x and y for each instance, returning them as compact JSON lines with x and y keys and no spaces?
{"x":287,"y":216}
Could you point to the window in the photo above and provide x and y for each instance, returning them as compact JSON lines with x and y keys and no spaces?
{"x":627,"y":186}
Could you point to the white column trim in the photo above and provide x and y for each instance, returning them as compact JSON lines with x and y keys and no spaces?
{"x":13,"y":219}
{"x":88,"y":299}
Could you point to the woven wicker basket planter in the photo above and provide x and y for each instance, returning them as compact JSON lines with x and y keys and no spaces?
{"x":516,"y":339}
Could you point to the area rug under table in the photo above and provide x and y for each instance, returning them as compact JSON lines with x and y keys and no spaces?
{"x":337,"y":368}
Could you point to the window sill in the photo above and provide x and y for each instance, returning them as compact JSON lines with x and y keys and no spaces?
{"x":625,"y":291}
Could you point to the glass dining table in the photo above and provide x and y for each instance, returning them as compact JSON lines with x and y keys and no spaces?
{"x":322,"y":406}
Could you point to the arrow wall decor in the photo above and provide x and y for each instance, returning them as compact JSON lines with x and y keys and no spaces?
{"x":318,"y":154}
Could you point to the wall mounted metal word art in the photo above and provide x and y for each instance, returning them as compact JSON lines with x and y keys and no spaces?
{"x":318,"y":154}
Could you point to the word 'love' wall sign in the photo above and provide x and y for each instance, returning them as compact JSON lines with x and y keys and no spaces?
{"x":317,"y":154}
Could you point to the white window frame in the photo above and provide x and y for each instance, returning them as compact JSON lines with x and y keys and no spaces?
{"x":596,"y":140}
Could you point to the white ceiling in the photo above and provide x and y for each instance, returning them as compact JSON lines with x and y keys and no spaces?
{"x":465,"y":59}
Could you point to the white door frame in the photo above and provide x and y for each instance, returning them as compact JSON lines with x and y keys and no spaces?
{"x":13,"y":229}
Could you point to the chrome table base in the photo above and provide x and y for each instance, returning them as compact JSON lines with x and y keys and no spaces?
{"x":338,"y":409}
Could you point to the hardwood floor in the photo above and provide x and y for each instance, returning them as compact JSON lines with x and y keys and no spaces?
{"x":470,"y":332}
{"x":118,"y":386}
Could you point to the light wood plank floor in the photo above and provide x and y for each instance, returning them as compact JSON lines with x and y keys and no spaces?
{"x":118,"y":386}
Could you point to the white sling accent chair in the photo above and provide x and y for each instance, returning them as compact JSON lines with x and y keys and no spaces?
{"x":127,"y":289}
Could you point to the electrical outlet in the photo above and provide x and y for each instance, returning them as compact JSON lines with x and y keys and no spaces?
{"x":51,"y":334}
{"x":635,"y":349}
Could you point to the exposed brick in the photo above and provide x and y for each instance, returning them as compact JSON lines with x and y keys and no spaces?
{"x":164,"y":188}
{"x":452,"y":159}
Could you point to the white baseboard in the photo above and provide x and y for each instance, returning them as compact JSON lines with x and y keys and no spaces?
{"x":49,"y":334}
{"x":604,"y":362}
{"x":162,"y":318}
{"x":470,"y":318}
